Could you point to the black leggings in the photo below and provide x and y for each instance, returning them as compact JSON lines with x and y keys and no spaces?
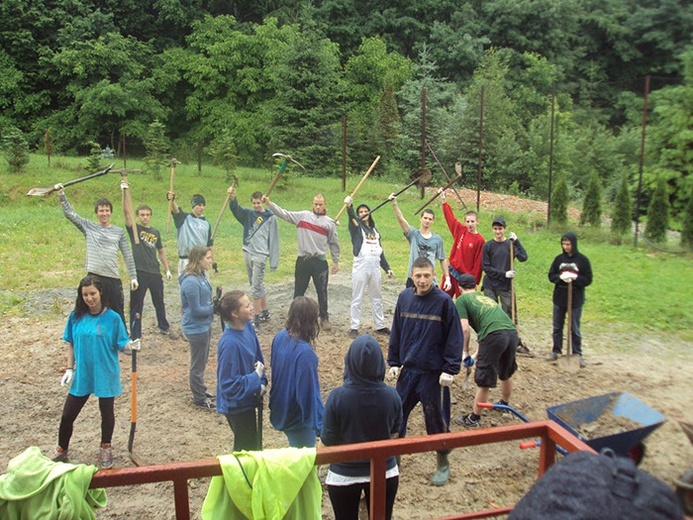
{"x":345,"y":499}
{"x":245,"y":434}
{"x":74,"y":405}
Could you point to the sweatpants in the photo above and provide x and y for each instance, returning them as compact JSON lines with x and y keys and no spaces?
{"x":199,"y":355}
{"x":314,"y":267}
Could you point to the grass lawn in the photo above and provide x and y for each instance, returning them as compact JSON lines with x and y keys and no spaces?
{"x":39,"y":249}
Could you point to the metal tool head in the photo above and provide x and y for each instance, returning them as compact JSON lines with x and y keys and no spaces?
{"x":288,"y":158}
{"x":421,"y":177}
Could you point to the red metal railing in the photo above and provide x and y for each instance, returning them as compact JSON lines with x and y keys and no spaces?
{"x":179,"y":473}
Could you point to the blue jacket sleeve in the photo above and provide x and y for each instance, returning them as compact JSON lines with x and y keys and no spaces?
{"x":453,"y":347}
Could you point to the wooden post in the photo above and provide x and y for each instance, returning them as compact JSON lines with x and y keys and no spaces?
{"x":553,"y":106}
{"x":481,"y":146}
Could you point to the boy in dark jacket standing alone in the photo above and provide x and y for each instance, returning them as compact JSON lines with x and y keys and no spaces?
{"x":570,"y":267}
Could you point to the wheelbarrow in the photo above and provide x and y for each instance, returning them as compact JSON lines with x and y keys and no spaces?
{"x":684,"y":485}
{"x":578,"y":415}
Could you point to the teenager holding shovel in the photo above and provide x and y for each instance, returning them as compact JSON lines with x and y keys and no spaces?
{"x":241,"y":380}
{"x":569,"y":267}
{"x":94,"y":335}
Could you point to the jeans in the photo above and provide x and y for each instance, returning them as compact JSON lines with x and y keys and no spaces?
{"x":504,"y":297}
{"x":316,"y":268}
{"x":558,"y":319}
{"x":303,"y":438}
{"x":155,"y":284}
{"x":199,"y":355}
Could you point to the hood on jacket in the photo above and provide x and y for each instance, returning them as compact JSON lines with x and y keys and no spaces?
{"x":573,"y":240}
{"x":364,"y":362}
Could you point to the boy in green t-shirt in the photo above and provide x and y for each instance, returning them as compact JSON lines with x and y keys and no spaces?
{"x":498,"y":342}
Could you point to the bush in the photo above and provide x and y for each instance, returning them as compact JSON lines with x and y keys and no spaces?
{"x":687,"y":224}
{"x":14,"y":148}
{"x":658,"y":212}
{"x":592,"y":205}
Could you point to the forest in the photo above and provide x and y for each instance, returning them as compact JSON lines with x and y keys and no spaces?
{"x":234,"y":81}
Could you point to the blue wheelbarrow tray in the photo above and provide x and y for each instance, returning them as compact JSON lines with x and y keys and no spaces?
{"x":575,"y":414}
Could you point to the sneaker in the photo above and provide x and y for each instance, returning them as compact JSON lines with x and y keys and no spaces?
{"x":106,"y":456}
{"x":170,"y":333}
{"x":583,"y":363}
{"x":210,"y":396}
{"x":524,"y":351}
{"x":207,"y":404}
{"x":466,"y":420}
{"x":552,"y":357}
{"x":59,"y":455}
{"x":501,"y":402}
{"x":264,"y":316}
{"x":354,"y":333}
{"x":325,"y":324}
{"x":384,"y":331}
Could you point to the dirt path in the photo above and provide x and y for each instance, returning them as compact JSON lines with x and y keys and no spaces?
{"x":169,"y":428}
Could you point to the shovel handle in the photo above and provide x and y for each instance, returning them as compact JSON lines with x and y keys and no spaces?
{"x":358,"y":186}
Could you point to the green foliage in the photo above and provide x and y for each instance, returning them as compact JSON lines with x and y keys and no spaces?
{"x":658,"y":213}
{"x":94,"y":158}
{"x":621,"y":217}
{"x":560,"y":198}
{"x":14,"y":148}
{"x":157,"y":146}
{"x":687,"y":222}
{"x":592,"y":205}
{"x":223,"y":152}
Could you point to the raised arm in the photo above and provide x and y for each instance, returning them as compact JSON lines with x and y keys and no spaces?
{"x":398,"y":214}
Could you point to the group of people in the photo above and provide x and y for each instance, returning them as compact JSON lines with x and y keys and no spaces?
{"x":428,"y":340}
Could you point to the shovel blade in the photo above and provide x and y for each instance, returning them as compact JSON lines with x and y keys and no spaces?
{"x":569,"y":363}
{"x":40,"y":192}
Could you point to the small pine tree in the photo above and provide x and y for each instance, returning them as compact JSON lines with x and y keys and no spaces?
{"x":559,"y":201}
{"x":620,"y":224}
{"x":157,"y":146}
{"x":658,"y":212}
{"x":592,"y":205}
{"x":94,"y":159}
{"x":687,"y":224}
{"x":223,"y":152}
{"x":14,"y":148}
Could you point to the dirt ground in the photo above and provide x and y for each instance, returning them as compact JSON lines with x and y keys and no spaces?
{"x":170,"y":429}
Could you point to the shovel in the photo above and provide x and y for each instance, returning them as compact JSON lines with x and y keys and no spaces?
{"x":43,"y":192}
{"x":133,"y":406}
{"x":570,"y":362}
{"x":420,"y":178}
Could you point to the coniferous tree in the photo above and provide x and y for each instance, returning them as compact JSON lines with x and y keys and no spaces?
{"x":559,"y":201}
{"x":223,"y":152}
{"x":94,"y":159}
{"x":658,"y":212}
{"x":157,"y":145}
{"x":622,"y":209}
{"x":592,"y":205}
{"x":687,"y":224}
{"x":15,"y":148}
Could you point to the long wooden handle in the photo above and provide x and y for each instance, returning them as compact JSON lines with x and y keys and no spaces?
{"x":512,"y":281}
{"x":437,"y":194}
{"x":170,"y":202}
{"x":221,"y":214}
{"x":358,"y":186}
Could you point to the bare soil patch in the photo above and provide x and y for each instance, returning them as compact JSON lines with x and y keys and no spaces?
{"x":170,"y":429}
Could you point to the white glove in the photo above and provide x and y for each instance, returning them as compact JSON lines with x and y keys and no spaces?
{"x":442,"y":194}
{"x":392,"y":197}
{"x":263,"y":390}
{"x":447,"y":284}
{"x":134,"y":285}
{"x":445,"y":379}
{"x":510,"y":274}
{"x":168,"y":275}
{"x":568,"y":277}
{"x":393,"y":373}
{"x":512,"y":236}
{"x":259,"y":369}
{"x":67,"y":377}
{"x":390,"y":273}
{"x":124,"y":185}
{"x":59,"y":188}
{"x":348,"y":200}
{"x":133,"y":346}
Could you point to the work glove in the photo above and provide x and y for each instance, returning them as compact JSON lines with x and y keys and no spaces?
{"x":134,"y":284}
{"x":216,"y":305}
{"x":390,"y":273}
{"x":215,"y":267}
{"x":168,"y":274}
{"x":133,"y":346}
{"x":512,"y":236}
{"x":442,"y":194}
{"x":59,"y":188}
{"x":445,"y":379}
{"x":124,"y":185}
{"x":392,"y":198}
{"x":393,"y":373}
{"x":231,"y":191}
{"x":447,"y":284}
{"x":568,"y":277}
{"x":348,"y":200}
{"x":263,"y":390}
{"x":510,"y":274}
{"x":260,"y":369}
{"x":467,"y":360}
{"x":67,"y":377}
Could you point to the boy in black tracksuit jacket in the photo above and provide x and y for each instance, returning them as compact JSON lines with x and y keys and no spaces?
{"x":570,"y":267}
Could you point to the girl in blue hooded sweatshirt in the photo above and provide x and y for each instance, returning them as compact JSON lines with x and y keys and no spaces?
{"x":363,"y":409}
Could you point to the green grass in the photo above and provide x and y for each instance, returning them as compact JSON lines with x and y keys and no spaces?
{"x":632,"y":290}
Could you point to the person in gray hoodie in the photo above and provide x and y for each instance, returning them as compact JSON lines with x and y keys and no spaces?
{"x":570,"y":267}
{"x":196,"y":322}
{"x":363,"y":409}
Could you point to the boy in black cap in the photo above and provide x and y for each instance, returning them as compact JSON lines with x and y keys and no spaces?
{"x":496,"y":264}
{"x":192,"y":229}
{"x":498,"y":341}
